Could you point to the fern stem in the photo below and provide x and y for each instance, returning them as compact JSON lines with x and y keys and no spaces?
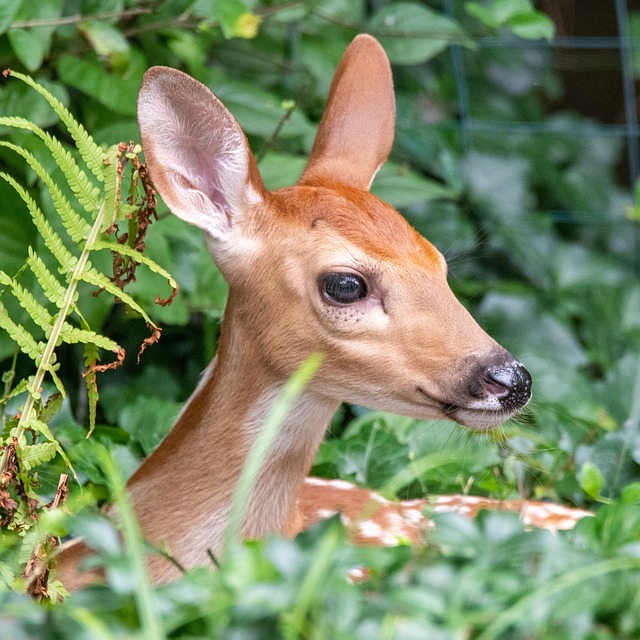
{"x":57,"y":328}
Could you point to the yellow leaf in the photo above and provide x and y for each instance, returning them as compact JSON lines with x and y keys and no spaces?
{"x":246,"y":26}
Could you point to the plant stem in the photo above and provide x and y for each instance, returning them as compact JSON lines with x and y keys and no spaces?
{"x":56,"y":330}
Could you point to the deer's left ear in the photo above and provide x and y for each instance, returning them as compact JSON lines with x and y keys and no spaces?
{"x":356,"y":131}
{"x":198,"y":156}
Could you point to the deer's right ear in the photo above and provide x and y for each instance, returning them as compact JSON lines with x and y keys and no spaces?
{"x":198,"y":156}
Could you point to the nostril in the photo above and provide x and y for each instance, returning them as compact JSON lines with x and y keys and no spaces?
{"x":506,"y":379}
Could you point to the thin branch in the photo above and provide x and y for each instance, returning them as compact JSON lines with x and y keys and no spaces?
{"x":77,"y":19}
{"x":276,"y":132}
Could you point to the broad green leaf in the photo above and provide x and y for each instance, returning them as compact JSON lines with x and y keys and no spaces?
{"x":33,"y":44}
{"x":107,"y":42}
{"x":401,"y":187}
{"x":497,"y":12}
{"x":260,"y":112}
{"x":117,"y":93}
{"x":18,"y":98}
{"x":532,"y":26}
{"x":281,"y":169}
{"x":8,"y":11}
{"x":412,"y":33}
{"x":631,"y":493}
{"x":591,"y":480}
{"x":28,"y":47}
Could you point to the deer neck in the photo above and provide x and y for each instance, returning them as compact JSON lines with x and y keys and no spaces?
{"x":209,"y":444}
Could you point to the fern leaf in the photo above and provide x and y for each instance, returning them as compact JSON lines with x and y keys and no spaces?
{"x":91,"y":153}
{"x":42,"y":428}
{"x":90,"y":359}
{"x":27,"y":343}
{"x":141,"y":258}
{"x":36,"y":454}
{"x":111,"y":186}
{"x":73,"y":335}
{"x":57,"y":381}
{"x":77,"y":228}
{"x":27,"y":301}
{"x":83,"y":188}
{"x":21,"y":387}
{"x":49,"y":283}
{"x":94,"y":277}
{"x":51,"y":239}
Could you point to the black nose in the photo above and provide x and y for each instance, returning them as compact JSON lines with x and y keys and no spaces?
{"x":510,"y":383}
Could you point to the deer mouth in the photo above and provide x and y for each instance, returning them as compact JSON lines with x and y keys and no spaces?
{"x":476,"y":418}
{"x":479,"y":414}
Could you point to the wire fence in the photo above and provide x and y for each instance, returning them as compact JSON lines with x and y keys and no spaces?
{"x":600,"y":49}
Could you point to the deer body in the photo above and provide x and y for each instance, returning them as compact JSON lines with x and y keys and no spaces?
{"x":323,"y":266}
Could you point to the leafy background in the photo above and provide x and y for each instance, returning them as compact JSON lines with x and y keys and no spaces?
{"x":541,"y":233}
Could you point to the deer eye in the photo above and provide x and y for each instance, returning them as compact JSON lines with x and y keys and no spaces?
{"x":343,"y":288}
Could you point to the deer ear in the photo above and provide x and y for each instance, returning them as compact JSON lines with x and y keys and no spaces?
{"x":356,"y":131}
{"x":198,"y":156}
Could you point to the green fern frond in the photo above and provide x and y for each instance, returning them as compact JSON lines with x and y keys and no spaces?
{"x":27,"y":343}
{"x":36,"y":311}
{"x":94,"y":277}
{"x":40,"y":427}
{"x":91,"y":153}
{"x":21,"y":387}
{"x":73,"y":335}
{"x":51,"y":239}
{"x":50,"y":285}
{"x":110,"y":169}
{"x":77,"y":227}
{"x":36,"y":454}
{"x":83,"y":188}
{"x":138,"y":257}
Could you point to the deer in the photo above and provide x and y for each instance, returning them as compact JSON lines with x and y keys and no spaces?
{"x":320,"y":267}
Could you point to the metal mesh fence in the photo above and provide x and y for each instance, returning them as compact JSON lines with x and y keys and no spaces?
{"x":598,"y":46}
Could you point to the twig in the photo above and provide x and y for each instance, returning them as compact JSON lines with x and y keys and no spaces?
{"x":276,"y":132}
{"x":57,"y":22}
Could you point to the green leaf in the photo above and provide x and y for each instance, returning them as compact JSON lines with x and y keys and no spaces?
{"x":484,"y":13}
{"x":532,"y":26}
{"x":107,"y":41}
{"x":8,"y":11}
{"x":227,"y":12}
{"x":114,"y":92}
{"x":401,"y":187}
{"x":591,"y":480}
{"x":259,"y":112}
{"x":28,"y":47}
{"x":411,"y":33}
{"x":631,"y":493}
{"x":281,"y":169}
